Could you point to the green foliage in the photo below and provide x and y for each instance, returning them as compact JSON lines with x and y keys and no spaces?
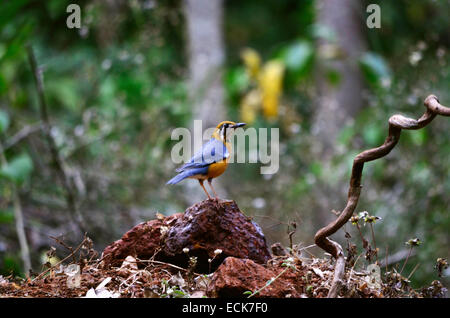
{"x":10,"y":264}
{"x":374,"y":134}
{"x":6,"y":217}
{"x":18,"y":169}
{"x":4,"y":121}
{"x":375,"y":69}
{"x":298,"y":57}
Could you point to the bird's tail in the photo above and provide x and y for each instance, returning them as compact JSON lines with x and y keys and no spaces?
{"x":176,"y":179}
{"x":187,"y":173}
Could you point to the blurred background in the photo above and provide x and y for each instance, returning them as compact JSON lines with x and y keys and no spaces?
{"x":116,"y":87}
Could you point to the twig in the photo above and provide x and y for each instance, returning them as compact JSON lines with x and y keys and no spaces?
{"x":374,"y":242}
{"x":60,"y":242}
{"x":396,"y":124}
{"x":291,"y":233}
{"x":56,"y":156}
{"x":21,"y":134}
{"x":352,"y":269}
{"x":387,"y":258}
{"x":268,"y":283}
{"x":364,"y":241}
{"x":306,"y":250}
{"x":407,"y":257}
{"x":306,"y":247}
{"x":397,"y":257}
{"x":168,"y":264}
{"x":62,"y":261}
{"x":414,"y":270}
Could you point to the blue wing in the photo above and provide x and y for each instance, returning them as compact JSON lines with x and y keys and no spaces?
{"x":213,"y":151}
{"x":188,"y":173}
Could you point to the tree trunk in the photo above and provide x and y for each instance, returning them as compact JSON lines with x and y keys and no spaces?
{"x":338,"y":103}
{"x":206,"y":58}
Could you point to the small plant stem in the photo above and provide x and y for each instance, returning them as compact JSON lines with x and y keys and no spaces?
{"x":374,"y":242}
{"x":406,"y":260}
{"x":61,"y":261}
{"x":414,"y":270}
{"x":268,"y":284}
{"x":210,"y":262}
{"x":362,"y":237}
{"x":387,"y":259}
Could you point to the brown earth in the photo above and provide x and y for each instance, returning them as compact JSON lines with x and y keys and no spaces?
{"x":169,"y":256}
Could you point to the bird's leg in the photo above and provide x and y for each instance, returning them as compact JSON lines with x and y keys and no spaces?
{"x":212,"y":188}
{"x":201,"y":183}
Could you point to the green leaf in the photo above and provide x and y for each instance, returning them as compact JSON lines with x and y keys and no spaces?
{"x":375,"y":69}
{"x":6,"y":217}
{"x":316,"y":168}
{"x":345,"y":135}
{"x":297,"y":57}
{"x":11,"y":265}
{"x":10,"y":9}
{"x":18,"y":169}
{"x":418,"y":137}
{"x":373,"y":135}
{"x":64,"y":90}
{"x":237,"y":80}
{"x":4,"y":121}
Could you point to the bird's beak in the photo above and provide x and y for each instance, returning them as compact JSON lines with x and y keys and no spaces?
{"x":238,"y":125}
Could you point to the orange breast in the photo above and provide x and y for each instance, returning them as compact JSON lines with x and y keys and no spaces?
{"x":216,"y":169}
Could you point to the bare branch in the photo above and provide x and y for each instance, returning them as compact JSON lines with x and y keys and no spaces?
{"x":396,"y":124}
{"x":56,"y":156}
{"x":22,"y":134}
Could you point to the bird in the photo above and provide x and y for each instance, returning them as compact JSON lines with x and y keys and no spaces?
{"x":210,"y":161}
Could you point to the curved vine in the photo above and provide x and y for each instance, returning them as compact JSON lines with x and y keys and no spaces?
{"x":396,"y":124}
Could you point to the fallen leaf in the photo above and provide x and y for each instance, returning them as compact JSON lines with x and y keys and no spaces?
{"x":318,"y":272}
{"x":198,"y":294}
{"x":103,"y":283}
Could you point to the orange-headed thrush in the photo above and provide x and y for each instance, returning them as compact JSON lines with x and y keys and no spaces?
{"x":212,"y":160}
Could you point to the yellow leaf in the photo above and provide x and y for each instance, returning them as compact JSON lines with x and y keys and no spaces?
{"x":271,"y":83}
{"x":252,"y":62}
{"x":249,"y":106}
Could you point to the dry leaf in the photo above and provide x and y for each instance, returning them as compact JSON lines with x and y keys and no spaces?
{"x":198,"y":294}
{"x":101,"y":292}
{"x":318,"y":272}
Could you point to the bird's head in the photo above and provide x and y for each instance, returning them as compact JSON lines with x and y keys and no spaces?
{"x":225,"y":129}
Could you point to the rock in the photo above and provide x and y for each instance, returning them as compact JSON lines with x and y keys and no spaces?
{"x":208,"y":230}
{"x":236,"y":276}
{"x":212,"y":225}
{"x":142,"y":241}
{"x":278,"y":249}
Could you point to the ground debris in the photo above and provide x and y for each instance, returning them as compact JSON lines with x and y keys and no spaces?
{"x":282,"y":277}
